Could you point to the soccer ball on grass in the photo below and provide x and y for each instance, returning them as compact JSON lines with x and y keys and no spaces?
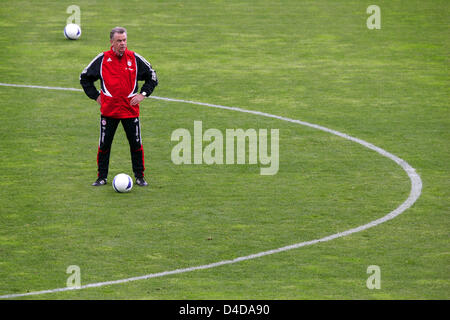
{"x":122,"y":183}
{"x":72,"y":31}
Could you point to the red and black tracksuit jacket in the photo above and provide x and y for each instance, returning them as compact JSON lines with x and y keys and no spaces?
{"x":119,"y":78}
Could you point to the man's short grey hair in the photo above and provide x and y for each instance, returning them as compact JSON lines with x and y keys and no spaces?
{"x":117,"y":30}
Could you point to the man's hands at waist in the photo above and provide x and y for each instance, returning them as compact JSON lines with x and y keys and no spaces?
{"x":137,"y":99}
{"x":134,"y":101}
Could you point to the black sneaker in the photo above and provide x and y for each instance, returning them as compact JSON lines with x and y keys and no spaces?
{"x":99,"y":182}
{"x":141,"y":182}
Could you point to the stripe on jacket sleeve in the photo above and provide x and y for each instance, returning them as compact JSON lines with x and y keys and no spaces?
{"x":89,"y":65}
{"x":148,"y":65}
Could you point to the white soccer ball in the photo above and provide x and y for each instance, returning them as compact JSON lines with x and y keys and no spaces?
{"x":72,"y":31}
{"x":122,"y":183}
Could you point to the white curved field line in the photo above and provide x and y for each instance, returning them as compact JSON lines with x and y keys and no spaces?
{"x":416,"y":189}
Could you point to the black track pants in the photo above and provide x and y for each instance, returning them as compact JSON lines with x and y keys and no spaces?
{"x":108,"y":127}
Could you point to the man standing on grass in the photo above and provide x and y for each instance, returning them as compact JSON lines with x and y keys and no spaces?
{"x":119,"y":70}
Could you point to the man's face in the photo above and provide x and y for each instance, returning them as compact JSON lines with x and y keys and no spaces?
{"x":119,"y":43}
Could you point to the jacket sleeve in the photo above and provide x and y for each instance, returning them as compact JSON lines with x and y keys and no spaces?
{"x":91,"y":74}
{"x":146,"y":73}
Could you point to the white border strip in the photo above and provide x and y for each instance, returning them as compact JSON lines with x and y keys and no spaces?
{"x":37,"y":87}
{"x":416,"y":189}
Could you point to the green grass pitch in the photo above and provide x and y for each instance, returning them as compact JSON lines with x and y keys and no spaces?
{"x":315,"y":61}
